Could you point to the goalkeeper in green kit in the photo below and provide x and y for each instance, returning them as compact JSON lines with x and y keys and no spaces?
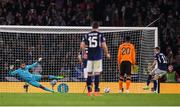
{"x":32,"y":79}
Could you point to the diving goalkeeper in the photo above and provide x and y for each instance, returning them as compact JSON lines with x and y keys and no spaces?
{"x":32,"y":79}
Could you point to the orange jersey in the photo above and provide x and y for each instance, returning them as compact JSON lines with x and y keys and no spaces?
{"x":126,"y":52}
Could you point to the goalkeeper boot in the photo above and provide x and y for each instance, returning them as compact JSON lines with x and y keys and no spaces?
{"x":59,"y":77}
{"x":146,"y":88}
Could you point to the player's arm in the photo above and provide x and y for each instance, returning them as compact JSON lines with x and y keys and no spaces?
{"x":80,"y":57}
{"x":34,"y":64}
{"x":133,"y":55}
{"x":83,"y":43}
{"x":82,"y":47}
{"x":119,"y":56}
{"x":12,"y":72}
{"x":153,"y":64}
{"x":105,"y":48}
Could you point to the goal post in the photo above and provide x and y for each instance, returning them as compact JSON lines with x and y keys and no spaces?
{"x":59,"y":46}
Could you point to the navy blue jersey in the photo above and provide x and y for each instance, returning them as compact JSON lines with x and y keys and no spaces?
{"x":84,"y":57}
{"x":93,"y":40}
{"x":162,"y":61}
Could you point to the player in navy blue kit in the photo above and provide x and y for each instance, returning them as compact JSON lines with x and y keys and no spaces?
{"x":96,"y":43}
{"x":161,"y":70}
{"x":82,"y":57}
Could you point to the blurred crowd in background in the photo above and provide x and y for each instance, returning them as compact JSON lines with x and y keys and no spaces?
{"x":134,"y":13}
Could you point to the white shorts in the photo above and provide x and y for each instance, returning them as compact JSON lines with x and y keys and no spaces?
{"x":94,"y":66}
{"x":158,"y":72}
{"x":85,"y":73}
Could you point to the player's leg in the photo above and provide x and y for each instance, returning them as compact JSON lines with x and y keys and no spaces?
{"x":26,"y":87}
{"x":121,"y":79}
{"x":96,"y":83}
{"x":46,"y":89}
{"x":155,"y":85}
{"x":89,"y":77}
{"x":128,"y":82}
{"x":89,"y":82}
{"x":37,"y":77}
{"x":158,"y":74}
{"x":38,"y":85}
{"x":128,"y":73}
{"x":148,"y":82}
{"x":52,"y":77}
{"x":155,"y":80}
{"x":97,"y":69}
{"x":150,"y":76}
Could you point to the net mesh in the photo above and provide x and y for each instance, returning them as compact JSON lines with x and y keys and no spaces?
{"x":59,"y":48}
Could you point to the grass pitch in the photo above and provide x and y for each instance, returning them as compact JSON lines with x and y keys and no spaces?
{"x":56,"y":99}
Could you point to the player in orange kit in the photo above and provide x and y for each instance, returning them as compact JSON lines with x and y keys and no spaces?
{"x":126,"y":59}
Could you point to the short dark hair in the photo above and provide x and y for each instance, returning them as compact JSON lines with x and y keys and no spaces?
{"x":127,"y":38}
{"x":95,"y":25}
{"x":21,"y":62}
{"x":157,"y":48}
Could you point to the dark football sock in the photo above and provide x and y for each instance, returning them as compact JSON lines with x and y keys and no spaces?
{"x":96,"y":83}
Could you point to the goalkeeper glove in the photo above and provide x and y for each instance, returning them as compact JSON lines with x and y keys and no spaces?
{"x":11,"y":67}
{"x":40,"y":59}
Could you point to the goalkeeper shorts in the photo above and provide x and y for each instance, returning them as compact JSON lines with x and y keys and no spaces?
{"x":36,"y":77}
{"x":34,"y":83}
{"x":94,"y":66}
{"x":35,"y":80}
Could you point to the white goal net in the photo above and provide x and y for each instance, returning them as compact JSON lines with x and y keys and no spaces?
{"x":59,"y":47}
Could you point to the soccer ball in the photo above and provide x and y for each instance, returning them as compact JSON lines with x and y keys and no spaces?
{"x":106,"y":90}
{"x":53,"y":82}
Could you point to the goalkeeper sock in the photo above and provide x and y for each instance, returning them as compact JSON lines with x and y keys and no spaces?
{"x":96,"y":83}
{"x":155,"y":85}
{"x":53,"y":77}
{"x":46,"y":89}
{"x":120,"y":84}
{"x":88,"y":83}
{"x":128,"y":81}
{"x":149,"y":80}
